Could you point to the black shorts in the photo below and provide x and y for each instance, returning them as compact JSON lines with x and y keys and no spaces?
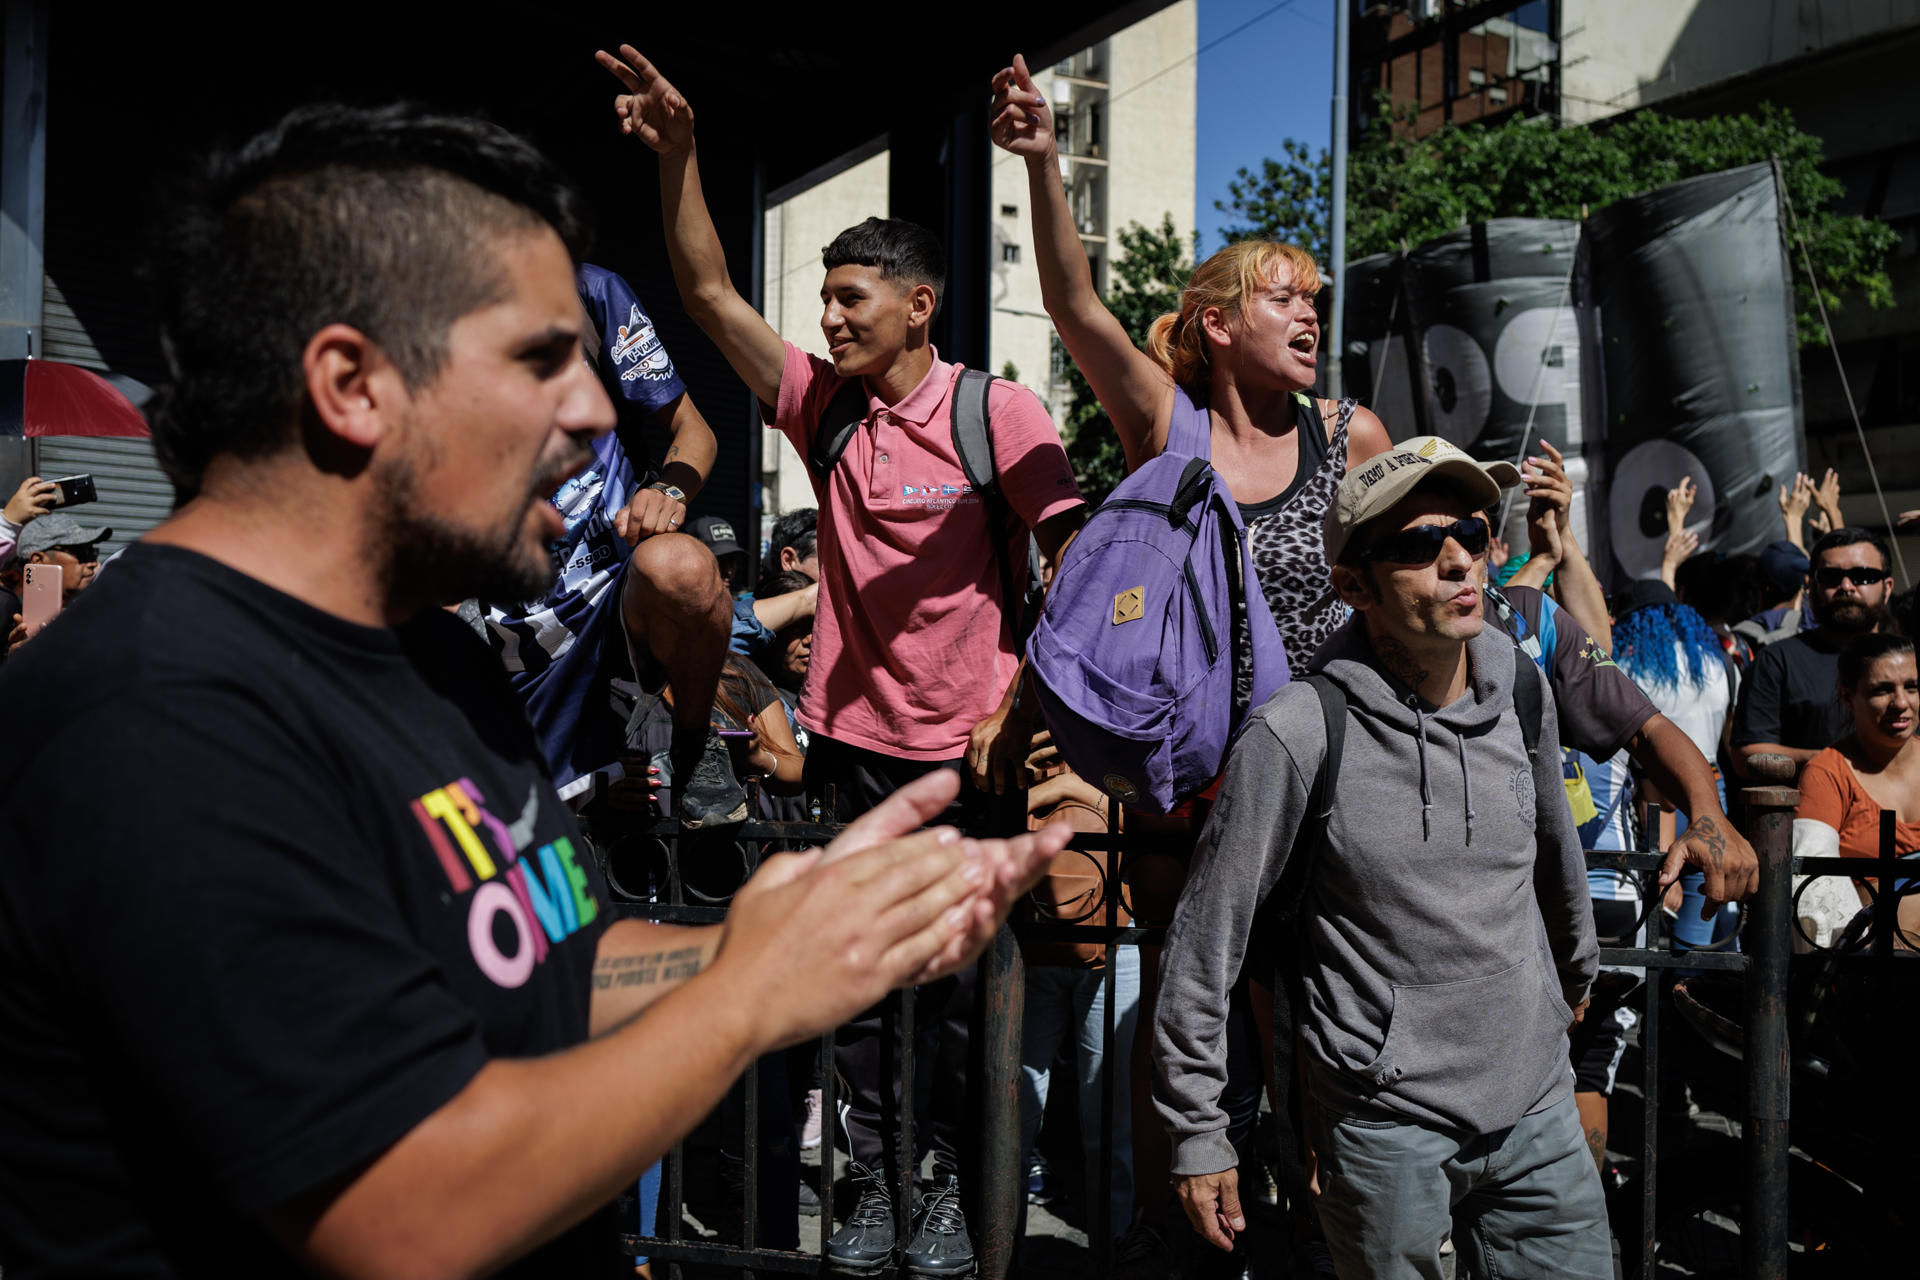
{"x":1601,"y":1038}
{"x":856,"y":779}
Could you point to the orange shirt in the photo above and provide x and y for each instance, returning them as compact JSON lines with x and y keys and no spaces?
{"x":1830,"y":793}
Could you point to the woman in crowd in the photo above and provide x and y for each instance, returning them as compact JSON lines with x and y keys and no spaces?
{"x":1244,"y":346}
{"x":1875,"y":768}
{"x":1676,"y":657}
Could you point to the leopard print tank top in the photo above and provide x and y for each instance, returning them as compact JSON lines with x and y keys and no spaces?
{"x":1284,"y":533}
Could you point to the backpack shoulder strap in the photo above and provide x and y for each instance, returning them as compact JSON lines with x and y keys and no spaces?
{"x":973,"y":433}
{"x":1308,"y":845}
{"x":973,"y":444}
{"x":1529,"y":701}
{"x":1190,"y":429}
{"x":838,"y":421}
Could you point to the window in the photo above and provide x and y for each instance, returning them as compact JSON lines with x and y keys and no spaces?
{"x":1009,"y":253}
{"x":1476,"y":77}
{"x":1497,"y":94}
{"x":1009,"y":210}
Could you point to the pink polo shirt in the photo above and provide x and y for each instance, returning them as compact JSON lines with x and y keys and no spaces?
{"x":909,"y":650}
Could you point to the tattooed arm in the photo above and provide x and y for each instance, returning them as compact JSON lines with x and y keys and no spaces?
{"x":638,"y":961}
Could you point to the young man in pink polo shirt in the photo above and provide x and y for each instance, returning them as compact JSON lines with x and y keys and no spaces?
{"x":914,"y":661}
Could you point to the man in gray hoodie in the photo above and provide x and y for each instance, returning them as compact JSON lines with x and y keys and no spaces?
{"x":1445,"y":939}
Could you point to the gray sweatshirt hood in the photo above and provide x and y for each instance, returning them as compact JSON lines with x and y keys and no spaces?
{"x":1445,"y":933}
{"x":1387,"y":706}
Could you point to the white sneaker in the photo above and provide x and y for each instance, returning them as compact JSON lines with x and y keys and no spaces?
{"x":810,"y":1132}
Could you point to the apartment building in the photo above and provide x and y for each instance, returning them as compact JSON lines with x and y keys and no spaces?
{"x":1124,"y":112}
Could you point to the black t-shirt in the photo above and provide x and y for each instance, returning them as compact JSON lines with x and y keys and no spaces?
{"x":1789,"y":695}
{"x":273,"y":888}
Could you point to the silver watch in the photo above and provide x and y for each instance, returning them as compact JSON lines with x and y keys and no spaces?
{"x":675,"y":492}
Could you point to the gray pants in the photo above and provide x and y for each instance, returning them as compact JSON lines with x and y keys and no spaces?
{"x":1527,"y":1200}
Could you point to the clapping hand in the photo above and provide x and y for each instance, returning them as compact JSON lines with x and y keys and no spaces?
{"x":651,"y":109}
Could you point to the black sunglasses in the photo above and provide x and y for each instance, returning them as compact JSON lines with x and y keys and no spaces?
{"x":1830,"y":576}
{"x":1422,"y":543}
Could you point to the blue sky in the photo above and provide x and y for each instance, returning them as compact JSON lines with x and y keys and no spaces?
{"x":1265,"y":73}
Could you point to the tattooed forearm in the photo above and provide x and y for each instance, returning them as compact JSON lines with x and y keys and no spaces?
{"x":646,"y":968}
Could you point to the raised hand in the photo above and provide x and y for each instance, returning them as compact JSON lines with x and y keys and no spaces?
{"x":1827,"y":498}
{"x":1546,"y":479}
{"x":1795,"y":499}
{"x":1679,"y":502}
{"x":1021,"y":119}
{"x":651,"y":109}
{"x":35,"y":497}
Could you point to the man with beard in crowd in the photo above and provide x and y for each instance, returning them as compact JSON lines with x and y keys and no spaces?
{"x":323,"y":979}
{"x":1788,"y":705}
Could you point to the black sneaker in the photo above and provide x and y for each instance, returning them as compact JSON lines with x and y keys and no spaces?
{"x":940,"y":1246}
{"x":866,"y":1243}
{"x":1143,"y":1253}
{"x":711,"y":797}
{"x":807,"y":1201}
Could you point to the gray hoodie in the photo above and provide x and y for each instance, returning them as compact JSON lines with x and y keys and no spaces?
{"x":1446,"y":935}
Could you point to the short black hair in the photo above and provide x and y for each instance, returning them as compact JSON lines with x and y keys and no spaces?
{"x":380,"y":218}
{"x":797,"y":529}
{"x":783,"y":583}
{"x":899,"y":250}
{"x":1846,"y":536}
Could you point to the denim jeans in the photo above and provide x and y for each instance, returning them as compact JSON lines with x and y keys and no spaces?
{"x":1523,"y":1202}
{"x":1063,"y":1001}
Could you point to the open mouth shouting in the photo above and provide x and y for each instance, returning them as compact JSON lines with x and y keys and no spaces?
{"x":1304,"y":345}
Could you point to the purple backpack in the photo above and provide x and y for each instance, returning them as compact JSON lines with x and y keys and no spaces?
{"x":1134,"y":654}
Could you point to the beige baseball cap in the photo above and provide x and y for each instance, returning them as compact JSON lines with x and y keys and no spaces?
{"x":1377,"y":485}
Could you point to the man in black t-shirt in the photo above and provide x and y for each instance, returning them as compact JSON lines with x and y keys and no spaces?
{"x":303,"y":967}
{"x":1789,"y":704}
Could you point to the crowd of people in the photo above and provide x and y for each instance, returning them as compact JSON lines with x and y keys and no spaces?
{"x":336,"y":986}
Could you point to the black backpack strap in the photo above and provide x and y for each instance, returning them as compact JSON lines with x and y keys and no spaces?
{"x":838,"y":421}
{"x":1528,"y":701}
{"x":1283,"y":922}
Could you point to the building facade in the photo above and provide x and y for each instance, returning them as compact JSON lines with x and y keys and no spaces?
{"x":1124,"y":111}
{"x":1841,"y":67}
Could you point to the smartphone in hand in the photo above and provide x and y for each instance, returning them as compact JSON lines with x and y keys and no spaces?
{"x":75,"y":490}
{"x":40,"y":601}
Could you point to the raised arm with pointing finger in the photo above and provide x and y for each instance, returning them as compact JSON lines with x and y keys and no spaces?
{"x":653,"y":111}
{"x":1136,"y":393}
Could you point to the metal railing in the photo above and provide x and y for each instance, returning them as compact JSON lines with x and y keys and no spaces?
{"x":996,"y":1184}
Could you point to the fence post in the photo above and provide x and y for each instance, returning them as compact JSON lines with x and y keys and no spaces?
{"x":1003,"y":999}
{"x":1767,"y":941}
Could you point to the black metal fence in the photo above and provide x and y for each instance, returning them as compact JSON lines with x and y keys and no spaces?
{"x":1852,"y":1221}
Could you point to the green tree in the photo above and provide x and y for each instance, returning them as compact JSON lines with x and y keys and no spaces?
{"x":1290,"y":200}
{"x":1403,"y":190}
{"x":1144,"y":282}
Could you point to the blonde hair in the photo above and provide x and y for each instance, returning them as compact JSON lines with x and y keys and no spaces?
{"x":1175,"y":340}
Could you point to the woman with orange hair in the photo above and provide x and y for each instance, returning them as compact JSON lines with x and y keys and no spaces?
{"x":1244,"y":345}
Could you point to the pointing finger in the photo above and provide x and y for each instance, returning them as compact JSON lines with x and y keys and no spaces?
{"x":1020,"y":73}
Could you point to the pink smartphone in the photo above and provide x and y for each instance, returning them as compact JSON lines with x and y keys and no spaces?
{"x":41,"y":599}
